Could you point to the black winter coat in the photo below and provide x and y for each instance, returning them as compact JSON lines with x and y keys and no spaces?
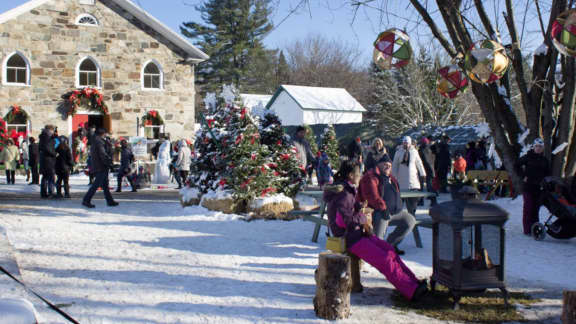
{"x":64,"y":161}
{"x":443,"y":160}
{"x":33,"y":154}
{"x":427,"y":158}
{"x":126,"y":158}
{"x":101,"y":161}
{"x":534,"y":167}
{"x":47,"y":153}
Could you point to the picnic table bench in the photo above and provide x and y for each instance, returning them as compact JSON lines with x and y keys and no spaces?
{"x":317,"y":215}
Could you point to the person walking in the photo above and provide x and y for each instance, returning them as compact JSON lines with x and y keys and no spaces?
{"x":33,"y":158}
{"x":101,"y":165}
{"x":47,"y":152}
{"x":64,"y":165}
{"x":380,"y":189}
{"x":408,"y":168}
{"x":324,"y":170}
{"x":443,"y":162}
{"x":376,"y":152}
{"x":126,"y":160}
{"x":10,"y":157}
{"x":532,"y":168}
{"x":346,"y":219}
{"x":25,"y":154}
{"x":303,"y":151}
{"x":183,"y":162}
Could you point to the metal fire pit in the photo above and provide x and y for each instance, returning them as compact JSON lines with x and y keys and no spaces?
{"x":468,"y":245}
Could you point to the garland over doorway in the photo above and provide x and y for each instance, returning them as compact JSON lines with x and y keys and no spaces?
{"x":88,"y":98}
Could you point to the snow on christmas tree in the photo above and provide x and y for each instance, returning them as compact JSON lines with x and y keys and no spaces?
{"x":329,"y":145}
{"x":287,"y":166}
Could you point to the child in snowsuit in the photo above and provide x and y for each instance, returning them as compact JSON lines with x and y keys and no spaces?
{"x":346,"y":220}
{"x":459,"y":166}
{"x":324,"y":170}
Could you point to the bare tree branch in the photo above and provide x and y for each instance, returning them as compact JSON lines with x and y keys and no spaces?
{"x":485,"y":20}
{"x":434,"y":28}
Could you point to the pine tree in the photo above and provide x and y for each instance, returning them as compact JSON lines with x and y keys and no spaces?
{"x":329,"y":145}
{"x":282,"y":70}
{"x":311,"y":138}
{"x":285,"y":163}
{"x":231,"y":35}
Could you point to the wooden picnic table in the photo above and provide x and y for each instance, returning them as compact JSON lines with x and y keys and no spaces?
{"x":317,"y":215}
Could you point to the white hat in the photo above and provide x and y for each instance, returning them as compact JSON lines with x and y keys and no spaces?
{"x":538,"y":141}
{"x":407,"y":139}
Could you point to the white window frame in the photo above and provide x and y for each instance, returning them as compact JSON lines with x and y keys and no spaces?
{"x":142,"y":74}
{"x":5,"y":70}
{"x":98,"y":73}
{"x":78,"y":23}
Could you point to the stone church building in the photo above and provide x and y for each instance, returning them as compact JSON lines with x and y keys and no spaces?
{"x":49,"y":48}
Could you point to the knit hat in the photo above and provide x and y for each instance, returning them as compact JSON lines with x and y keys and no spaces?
{"x":384,"y":159}
{"x":425,"y":140}
{"x":407,"y":139}
{"x":538,"y":141}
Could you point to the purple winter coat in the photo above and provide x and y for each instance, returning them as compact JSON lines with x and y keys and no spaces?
{"x":341,"y":198}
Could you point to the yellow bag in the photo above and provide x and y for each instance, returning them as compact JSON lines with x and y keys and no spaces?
{"x":336,"y":244}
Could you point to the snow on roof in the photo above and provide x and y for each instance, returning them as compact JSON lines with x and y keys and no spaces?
{"x":254,"y":100}
{"x":196,"y":55}
{"x":316,"y":98}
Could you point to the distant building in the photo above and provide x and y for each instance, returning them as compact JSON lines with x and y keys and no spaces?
{"x":298,"y":105}
{"x":51,"y":47}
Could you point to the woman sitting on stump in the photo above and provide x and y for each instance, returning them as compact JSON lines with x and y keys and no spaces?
{"x":346,"y":220}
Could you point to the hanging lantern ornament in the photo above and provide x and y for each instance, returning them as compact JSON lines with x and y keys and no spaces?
{"x":486,"y":61}
{"x":452,"y":81}
{"x":564,"y":33}
{"x":392,"y":49}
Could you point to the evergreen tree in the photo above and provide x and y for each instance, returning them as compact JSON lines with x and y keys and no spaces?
{"x":285,"y":163}
{"x":311,"y":138}
{"x":282,"y":70}
{"x":231,"y":35}
{"x":329,"y":145}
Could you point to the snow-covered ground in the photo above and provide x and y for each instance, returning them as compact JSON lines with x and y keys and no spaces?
{"x":155,"y":262}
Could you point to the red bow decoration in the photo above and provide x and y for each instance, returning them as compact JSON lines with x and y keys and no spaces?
{"x":272,"y":165}
{"x":238,"y":139}
{"x":254,"y":137}
{"x":210,"y":122}
{"x":267,"y":191}
{"x":15,"y":109}
{"x":153,"y":113}
{"x":243,"y":113}
{"x":222,"y":182}
{"x":285,"y":156}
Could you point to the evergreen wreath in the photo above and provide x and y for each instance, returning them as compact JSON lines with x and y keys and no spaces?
{"x":15,"y":113}
{"x":152,"y":118}
{"x":87,"y":97}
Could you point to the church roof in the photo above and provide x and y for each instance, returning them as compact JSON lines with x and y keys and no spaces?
{"x":195,"y":54}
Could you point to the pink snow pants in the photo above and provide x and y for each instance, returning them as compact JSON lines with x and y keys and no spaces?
{"x":381,"y":255}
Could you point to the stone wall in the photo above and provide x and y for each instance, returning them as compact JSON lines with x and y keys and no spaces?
{"x":54,"y":45}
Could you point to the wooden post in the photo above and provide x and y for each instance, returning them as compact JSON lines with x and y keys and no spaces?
{"x":569,"y":308}
{"x":333,"y":285}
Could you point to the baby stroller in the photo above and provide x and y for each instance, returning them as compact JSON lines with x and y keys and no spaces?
{"x":561,"y":224}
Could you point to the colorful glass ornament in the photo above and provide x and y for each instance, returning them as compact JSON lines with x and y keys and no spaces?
{"x":564,"y":33}
{"x":451,"y":81}
{"x":486,"y":61}
{"x":392,"y":49}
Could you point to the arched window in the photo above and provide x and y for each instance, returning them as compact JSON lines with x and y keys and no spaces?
{"x":87,"y":20}
{"x":152,"y":76}
{"x":16,"y":70}
{"x":88,"y":73}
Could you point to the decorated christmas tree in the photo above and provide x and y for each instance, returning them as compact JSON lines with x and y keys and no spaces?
{"x":311,"y":138}
{"x":287,"y":166}
{"x":329,"y":144}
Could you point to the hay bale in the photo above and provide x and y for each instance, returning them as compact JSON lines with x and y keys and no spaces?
{"x":271,"y":207}
{"x":190,"y":196}
{"x":221,"y":201}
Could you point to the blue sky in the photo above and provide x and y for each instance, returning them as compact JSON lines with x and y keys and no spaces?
{"x":331,"y":18}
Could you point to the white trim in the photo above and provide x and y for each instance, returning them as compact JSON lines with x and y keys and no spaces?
{"x":86,"y":15}
{"x":98,"y":73}
{"x":159,"y":66}
{"x":196,"y":55}
{"x":5,"y":70}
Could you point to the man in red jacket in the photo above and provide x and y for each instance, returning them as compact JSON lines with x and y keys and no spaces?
{"x":380,"y":189}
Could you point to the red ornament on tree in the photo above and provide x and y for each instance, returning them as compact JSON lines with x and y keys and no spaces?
{"x":238,"y":139}
{"x":222,"y":182}
{"x":243,"y":113}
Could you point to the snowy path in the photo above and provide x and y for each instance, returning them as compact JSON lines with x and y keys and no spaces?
{"x":154,"y":262}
